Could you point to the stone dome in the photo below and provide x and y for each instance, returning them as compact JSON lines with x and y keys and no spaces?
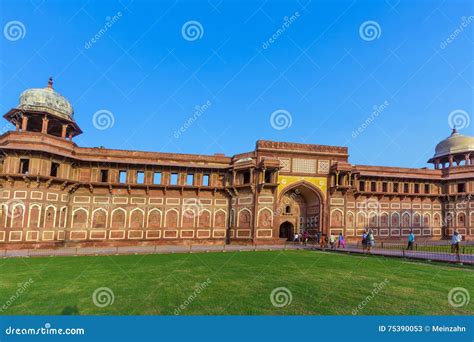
{"x":46,"y":100}
{"x":454,"y":144}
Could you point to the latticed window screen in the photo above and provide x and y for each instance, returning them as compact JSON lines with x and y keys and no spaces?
{"x":304,"y":165}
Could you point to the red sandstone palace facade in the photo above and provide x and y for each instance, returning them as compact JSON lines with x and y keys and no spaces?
{"x":55,"y":193}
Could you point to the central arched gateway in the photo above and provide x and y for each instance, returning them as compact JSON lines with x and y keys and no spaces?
{"x":301,"y":204}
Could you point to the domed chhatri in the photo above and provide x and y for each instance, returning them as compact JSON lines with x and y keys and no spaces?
{"x":454,"y":149}
{"x":43,"y":110}
{"x":46,"y":100}
{"x":455,"y":143}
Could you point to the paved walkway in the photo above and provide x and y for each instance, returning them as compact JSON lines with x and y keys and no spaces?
{"x":124,"y":250}
{"x":433,"y":256}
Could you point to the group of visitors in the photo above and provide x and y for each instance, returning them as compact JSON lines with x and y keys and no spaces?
{"x":301,"y":238}
{"x":323,"y":240}
{"x":455,"y":241}
{"x":333,"y":241}
{"x":368,"y":240}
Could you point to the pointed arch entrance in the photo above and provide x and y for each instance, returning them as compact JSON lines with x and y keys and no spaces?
{"x":287,"y":231}
{"x":302,"y":205}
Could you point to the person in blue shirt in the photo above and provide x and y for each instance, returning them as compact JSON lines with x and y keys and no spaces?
{"x":411,"y":240}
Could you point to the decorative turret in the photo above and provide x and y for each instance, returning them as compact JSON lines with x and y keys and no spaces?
{"x":46,"y":111}
{"x":455,"y":150}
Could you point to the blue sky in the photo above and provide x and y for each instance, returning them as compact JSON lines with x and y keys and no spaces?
{"x":321,"y":72}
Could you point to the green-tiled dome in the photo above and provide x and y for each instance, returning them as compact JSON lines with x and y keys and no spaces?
{"x":46,"y":100}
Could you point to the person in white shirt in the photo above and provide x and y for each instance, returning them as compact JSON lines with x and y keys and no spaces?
{"x":296,"y":238}
{"x":455,"y":240}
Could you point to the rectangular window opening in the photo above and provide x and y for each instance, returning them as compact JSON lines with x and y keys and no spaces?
{"x":157,"y":178}
{"x":268,"y":177}
{"x":54,"y":169}
{"x":427,"y":189}
{"x":190,"y":179}
{"x":417,"y":188}
{"x":174,"y":179}
{"x":24,"y":166}
{"x":395,"y":187}
{"x":246,"y":177}
{"x":140,"y":177}
{"x":104,"y":176}
{"x":123,"y":176}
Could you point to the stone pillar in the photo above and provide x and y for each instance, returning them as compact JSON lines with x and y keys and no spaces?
{"x":44,"y":127}
{"x":64,"y":130}
{"x":450,"y":161}
{"x":24,"y":123}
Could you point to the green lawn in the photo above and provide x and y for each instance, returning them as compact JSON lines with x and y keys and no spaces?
{"x":237,"y":283}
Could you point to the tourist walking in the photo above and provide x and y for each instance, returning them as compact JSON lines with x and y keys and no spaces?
{"x":324,"y":241}
{"x":455,"y":241}
{"x":341,"y":241}
{"x":332,"y":240}
{"x":305,"y":237}
{"x":370,"y":240}
{"x":318,"y":236}
{"x":296,"y":238}
{"x":411,"y":240}
{"x":364,"y":241}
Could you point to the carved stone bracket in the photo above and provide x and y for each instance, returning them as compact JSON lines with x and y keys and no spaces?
{"x":63,"y":185}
